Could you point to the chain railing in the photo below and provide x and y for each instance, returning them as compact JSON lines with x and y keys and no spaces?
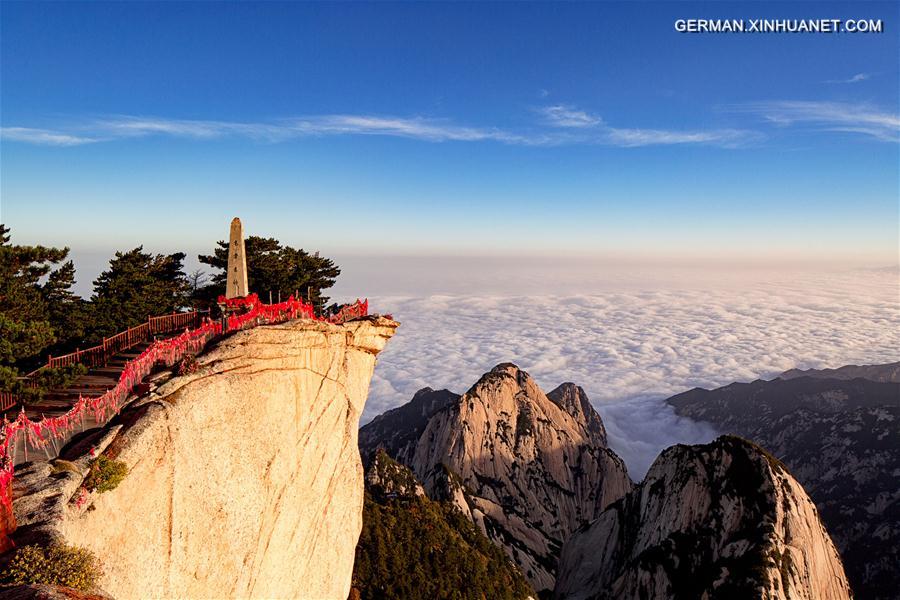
{"x":53,"y":432}
{"x":99,"y":355}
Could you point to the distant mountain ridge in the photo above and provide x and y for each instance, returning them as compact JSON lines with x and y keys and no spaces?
{"x":840,"y":437}
{"x":397,"y":431}
{"x":888,"y":373}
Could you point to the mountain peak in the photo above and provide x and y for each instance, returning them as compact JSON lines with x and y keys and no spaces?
{"x":526,"y":469}
{"x":573,"y":399}
{"x":508,"y":368}
{"x":723,"y":519}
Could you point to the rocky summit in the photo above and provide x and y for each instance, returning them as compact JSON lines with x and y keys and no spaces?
{"x":722,"y":520}
{"x":526,"y":467}
{"x":839,"y":437}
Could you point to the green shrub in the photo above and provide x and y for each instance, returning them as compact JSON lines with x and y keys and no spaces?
{"x":59,"y":564}
{"x":105,"y":474}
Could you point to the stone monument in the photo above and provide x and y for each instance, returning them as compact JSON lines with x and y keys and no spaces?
{"x":236,"y":286}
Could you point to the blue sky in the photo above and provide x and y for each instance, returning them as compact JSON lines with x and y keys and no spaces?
{"x":452,"y":129}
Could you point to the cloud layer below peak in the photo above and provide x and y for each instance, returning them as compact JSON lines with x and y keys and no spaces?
{"x":631,"y":348}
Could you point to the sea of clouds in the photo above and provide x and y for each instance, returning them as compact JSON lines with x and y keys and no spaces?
{"x":632,"y":342}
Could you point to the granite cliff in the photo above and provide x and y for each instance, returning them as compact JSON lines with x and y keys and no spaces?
{"x":528,"y":468}
{"x":723,"y":520}
{"x":837,"y":433}
{"x":244,"y":478}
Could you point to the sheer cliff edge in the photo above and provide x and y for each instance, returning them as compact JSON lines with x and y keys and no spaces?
{"x":244,"y":477}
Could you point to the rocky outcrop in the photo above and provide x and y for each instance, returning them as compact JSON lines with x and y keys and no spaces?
{"x":572,"y":399}
{"x":839,"y":438}
{"x":525,"y":468}
{"x":722,"y":520}
{"x":244,"y":479}
{"x":388,"y":479}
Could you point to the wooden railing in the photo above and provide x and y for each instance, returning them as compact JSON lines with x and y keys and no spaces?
{"x":173,"y":322}
{"x":99,"y":355}
{"x":7,"y":400}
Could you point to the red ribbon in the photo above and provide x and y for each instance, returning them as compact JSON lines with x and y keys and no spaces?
{"x":168,"y":352}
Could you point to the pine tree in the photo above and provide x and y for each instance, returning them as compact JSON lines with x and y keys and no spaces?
{"x":137,"y":285}
{"x":67,"y":311}
{"x":26,"y":322}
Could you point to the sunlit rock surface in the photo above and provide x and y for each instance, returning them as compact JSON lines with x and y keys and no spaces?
{"x":838,"y":434}
{"x":722,"y":520}
{"x":528,"y":469}
{"x":244,"y":478}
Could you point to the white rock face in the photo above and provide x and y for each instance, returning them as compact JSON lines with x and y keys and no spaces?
{"x":722,"y":520}
{"x":531,"y":472}
{"x":244,"y":479}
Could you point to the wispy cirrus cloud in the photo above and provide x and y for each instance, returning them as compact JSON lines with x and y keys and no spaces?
{"x":415,"y":128}
{"x":284,"y":129}
{"x":561,"y":125}
{"x":847,"y":117}
{"x":558,"y":124}
{"x":127,"y":126}
{"x":562,"y":115}
{"x":43,"y":136}
{"x":725,"y":138}
{"x":570,"y":117}
{"x":854,"y":79}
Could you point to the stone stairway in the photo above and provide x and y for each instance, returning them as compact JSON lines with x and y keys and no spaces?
{"x":93,"y":384}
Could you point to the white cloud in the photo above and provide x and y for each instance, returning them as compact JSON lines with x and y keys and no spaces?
{"x":561,"y":124}
{"x":562,"y":115}
{"x":125,"y":126}
{"x":596,"y":131}
{"x":831,"y":116}
{"x":660,"y":137}
{"x":569,"y":126}
{"x":416,"y":128}
{"x":42,"y":136}
{"x":634,"y":346}
{"x":854,"y":79}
